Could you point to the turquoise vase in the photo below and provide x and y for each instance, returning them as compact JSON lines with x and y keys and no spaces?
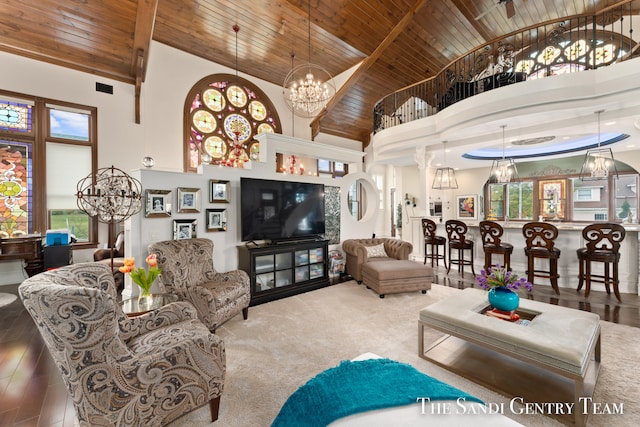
{"x":503,"y":298}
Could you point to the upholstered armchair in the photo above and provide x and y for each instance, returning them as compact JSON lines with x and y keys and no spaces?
{"x":360,"y":251}
{"x":103,"y":256}
{"x":188,"y":272}
{"x":120,"y":371}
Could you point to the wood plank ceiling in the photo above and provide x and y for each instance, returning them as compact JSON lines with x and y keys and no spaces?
{"x":397,"y":42}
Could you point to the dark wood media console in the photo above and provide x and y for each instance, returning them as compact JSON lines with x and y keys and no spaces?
{"x":281,"y":270}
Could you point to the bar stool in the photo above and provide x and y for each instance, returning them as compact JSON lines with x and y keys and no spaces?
{"x":602,"y":245}
{"x":433,"y":241}
{"x":491,"y":233}
{"x":456,"y":233}
{"x":540,"y":239}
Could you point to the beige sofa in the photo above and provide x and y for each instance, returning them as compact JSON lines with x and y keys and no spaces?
{"x":357,"y":254}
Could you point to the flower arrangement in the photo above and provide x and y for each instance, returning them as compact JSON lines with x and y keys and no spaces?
{"x":499,"y":276}
{"x":139,"y":275}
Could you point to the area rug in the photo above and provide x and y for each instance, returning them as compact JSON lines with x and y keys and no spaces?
{"x":285,"y":343}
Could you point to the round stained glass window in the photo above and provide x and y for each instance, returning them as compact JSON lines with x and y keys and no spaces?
{"x":236,"y":123}
{"x":216,"y":147}
{"x":237,"y":96}
{"x":265,"y":128}
{"x":214,"y":99}
{"x":257,"y":110}
{"x":204,"y":121}
{"x":254,"y":151}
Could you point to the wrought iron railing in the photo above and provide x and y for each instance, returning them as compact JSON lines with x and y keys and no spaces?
{"x":569,"y":45}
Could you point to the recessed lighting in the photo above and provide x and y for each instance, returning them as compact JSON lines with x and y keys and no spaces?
{"x":609,"y":123}
{"x":447,"y":150}
{"x":631,"y":145}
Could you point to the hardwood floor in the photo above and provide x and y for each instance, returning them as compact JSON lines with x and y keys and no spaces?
{"x":32,"y":393}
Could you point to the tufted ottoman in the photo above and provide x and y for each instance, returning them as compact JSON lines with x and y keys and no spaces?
{"x":394,"y":276}
{"x":555,"y":358}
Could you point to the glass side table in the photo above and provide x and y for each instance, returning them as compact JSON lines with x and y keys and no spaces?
{"x":131,"y":307}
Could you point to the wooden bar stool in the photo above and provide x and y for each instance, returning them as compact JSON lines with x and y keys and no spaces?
{"x":456,"y":233}
{"x":433,"y":241}
{"x":540,"y":239}
{"x":491,"y":233}
{"x":602,"y":245}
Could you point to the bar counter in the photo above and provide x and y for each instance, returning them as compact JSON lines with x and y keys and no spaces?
{"x":568,"y":241}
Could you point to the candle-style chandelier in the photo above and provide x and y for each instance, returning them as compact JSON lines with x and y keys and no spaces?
{"x":110,"y":195}
{"x":308,"y":87}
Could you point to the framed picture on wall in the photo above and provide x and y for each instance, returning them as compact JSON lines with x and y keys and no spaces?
{"x":157,"y":203}
{"x":188,"y":200}
{"x":467,"y":206}
{"x":219,"y":191}
{"x":184,"y":229}
{"x":216,"y":220}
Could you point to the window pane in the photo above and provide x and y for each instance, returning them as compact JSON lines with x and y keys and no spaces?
{"x":62,"y":187}
{"x":520,"y":197}
{"x":74,"y":220}
{"x":496,"y":201}
{"x":590,"y":200}
{"x":69,"y":125}
{"x":627,"y":197}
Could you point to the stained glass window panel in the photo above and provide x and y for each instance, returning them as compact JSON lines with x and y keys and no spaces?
{"x":15,"y":188}
{"x":237,"y":96}
{"x":214,"y":100}
{"x":230,"y":104}
{"x":15,"y":116}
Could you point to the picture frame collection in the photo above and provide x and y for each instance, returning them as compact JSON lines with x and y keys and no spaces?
{"x":158,"y":204}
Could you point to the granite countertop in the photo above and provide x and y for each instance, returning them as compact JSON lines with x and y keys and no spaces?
{"x":578,"y":226}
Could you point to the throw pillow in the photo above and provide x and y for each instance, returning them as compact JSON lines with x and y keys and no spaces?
{"x":376,"y":251}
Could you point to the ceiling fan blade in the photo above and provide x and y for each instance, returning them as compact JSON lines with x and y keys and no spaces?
{"x":511,"y":9}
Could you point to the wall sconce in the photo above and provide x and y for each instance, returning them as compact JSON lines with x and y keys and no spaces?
{"x":407,"y":200}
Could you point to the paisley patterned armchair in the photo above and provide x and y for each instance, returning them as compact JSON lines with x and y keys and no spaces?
{"x":188,"y":272}
{"x":142,"y":371}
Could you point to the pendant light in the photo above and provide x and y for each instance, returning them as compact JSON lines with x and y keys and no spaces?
{"x":599,"y":163}
{"x":308,"y":87}
{"x":503,"y":171}
{"x":445,"y":178}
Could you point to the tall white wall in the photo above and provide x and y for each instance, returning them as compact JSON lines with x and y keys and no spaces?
{"x":123,"y":143}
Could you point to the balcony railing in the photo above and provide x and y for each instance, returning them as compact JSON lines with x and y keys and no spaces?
{"x":568,"y":45}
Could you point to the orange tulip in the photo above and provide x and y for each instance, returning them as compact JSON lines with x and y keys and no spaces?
{"x":125,"y":269}
{"x":152,"y":260}
{"x":129,"y":262}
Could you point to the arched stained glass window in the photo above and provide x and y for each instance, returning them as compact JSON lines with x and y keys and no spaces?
{"x":570,"y":52}
{"x":222,"y":115}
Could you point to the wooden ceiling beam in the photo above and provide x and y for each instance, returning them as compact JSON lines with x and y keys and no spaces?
{"x":145,"y":19}
{"x":463,"y":7}
{"x":366,"y":64}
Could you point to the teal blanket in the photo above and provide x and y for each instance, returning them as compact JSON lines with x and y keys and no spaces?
{"x":354,"y":387}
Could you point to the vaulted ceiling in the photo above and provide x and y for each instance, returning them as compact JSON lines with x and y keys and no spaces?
{"x":396,"y":42}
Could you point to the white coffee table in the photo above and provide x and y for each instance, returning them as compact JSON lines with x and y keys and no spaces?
{"x":555,"y":358}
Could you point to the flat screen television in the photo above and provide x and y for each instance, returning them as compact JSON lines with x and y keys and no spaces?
{"x":281,"y":210}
